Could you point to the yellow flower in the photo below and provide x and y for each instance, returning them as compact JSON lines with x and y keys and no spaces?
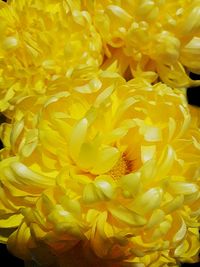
{"x":45,"y":48}
{"x":109,"y":178}
{"x":150,"y":37}
{"x":195,"y":114}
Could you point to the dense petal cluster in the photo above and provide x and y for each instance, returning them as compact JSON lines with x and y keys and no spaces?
{"x":114,"y":174}
{"x":150,"y":36}
{"x":43,"y":47}
{"x":100,"y":158}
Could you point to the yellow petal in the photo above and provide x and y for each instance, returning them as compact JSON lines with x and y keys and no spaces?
{"x":10,"y":220}
{"x":156,"y":218}
{"x":28,"y":177}
{"x":127,"y":216}
{"x":106,"y":185}
{"x":166,"y":161}
{"x":131,"y":182}
{"x":147,"y":201}
{"x":174,"y":204}
{"x":77,"y":139}
{"x":87,"y":156}
{"x":183,"y":188}
{"x":147,"y":152}
{"x":90,"y":194}
{"x":10,"y":42}
{"x":181,"y":233}
{"x":105,"y":160}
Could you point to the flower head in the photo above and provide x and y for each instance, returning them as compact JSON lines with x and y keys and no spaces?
{"x":113,"y":174}
{"x":148,"y":37}
{"x":44,"y":47}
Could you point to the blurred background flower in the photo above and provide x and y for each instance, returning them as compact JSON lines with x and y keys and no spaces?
{"x":149,"y":38}
{"x":44,"y":48}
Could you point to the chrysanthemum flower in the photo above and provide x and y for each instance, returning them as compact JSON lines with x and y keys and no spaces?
{"x":150,"y":36}
{"x":195,"y":114}
{"x":108,"y":179}
{"x":44,"y":47}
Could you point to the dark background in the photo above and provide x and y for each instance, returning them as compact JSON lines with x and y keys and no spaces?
{"x":8,"y":260}
{"x":193,"y":94}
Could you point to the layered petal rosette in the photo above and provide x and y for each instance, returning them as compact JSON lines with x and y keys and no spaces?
{"x":149,"y":37}
{"x":43,"y":47}
{"x":109,"y":178}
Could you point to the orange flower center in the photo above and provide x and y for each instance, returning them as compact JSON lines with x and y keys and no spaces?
{"x":121,"y":168}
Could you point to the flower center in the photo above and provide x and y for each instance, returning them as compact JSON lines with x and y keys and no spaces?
{"x":121,"y":168}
